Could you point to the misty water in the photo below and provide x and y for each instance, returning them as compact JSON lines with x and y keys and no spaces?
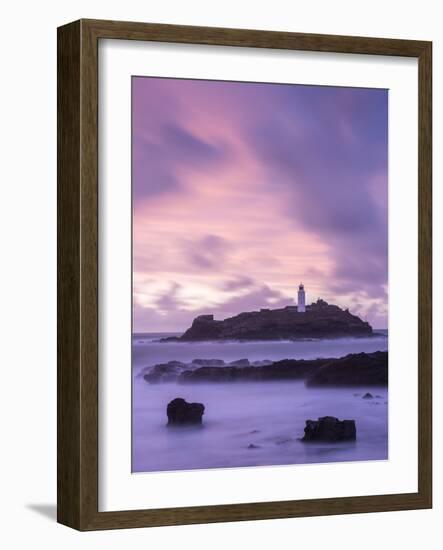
{"x":268,"y":416}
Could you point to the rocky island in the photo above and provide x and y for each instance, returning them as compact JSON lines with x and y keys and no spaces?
{"x":318,"y":320}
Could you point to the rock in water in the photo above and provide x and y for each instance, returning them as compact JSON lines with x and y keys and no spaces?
{"x":368,"y":396}
{"x":164,"y":372}
{"x":208,"y":362}
{"x":329,"y":428}
{"x":181,"y":413}
{"x":240,"y":363}
{"x":355,"y":369}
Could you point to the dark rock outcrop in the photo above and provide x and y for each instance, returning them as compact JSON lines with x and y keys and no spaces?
{"x":181,"y":413}
{"x":368,"y":396}
{"x":208,"y":362}
{"x":329,"y":428}
{"x":164,"y":372}
{"x":240,"y":363}
{"x":320,"y":320}
{"x":280,"y":370}
{"x":357,"y":369}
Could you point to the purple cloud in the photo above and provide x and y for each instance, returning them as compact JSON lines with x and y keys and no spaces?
{"x":169,"y":313}
{"x":207,"y":252}
{"x":330,"y":177}
{"x":161,"y":145}
{"x":240,"y":283}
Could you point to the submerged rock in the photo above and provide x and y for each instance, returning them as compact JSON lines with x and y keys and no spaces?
{"x":182,"y":413}
{"x":283,"y":441}
{"x":329,"y":428}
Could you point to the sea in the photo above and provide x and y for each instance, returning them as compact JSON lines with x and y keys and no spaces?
{"x":249,"y":424}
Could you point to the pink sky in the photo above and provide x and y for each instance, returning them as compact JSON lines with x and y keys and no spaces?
{"x":243,"y":190}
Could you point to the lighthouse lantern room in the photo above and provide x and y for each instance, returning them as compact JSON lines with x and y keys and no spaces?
{"x":301,"y":299}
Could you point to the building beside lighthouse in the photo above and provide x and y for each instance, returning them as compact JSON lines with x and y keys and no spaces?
{"x":301,"y":304}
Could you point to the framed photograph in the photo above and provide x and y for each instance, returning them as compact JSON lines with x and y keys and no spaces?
{"x":244,"y":239}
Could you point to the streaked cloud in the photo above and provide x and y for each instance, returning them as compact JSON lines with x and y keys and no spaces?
{"x":243,"y":190}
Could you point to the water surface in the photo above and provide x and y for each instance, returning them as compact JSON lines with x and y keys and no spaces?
{"x":252,"y":423}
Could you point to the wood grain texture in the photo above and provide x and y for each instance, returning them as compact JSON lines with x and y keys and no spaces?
{"x":78,"y":271}
{"x":68,"y":275}
{"x":254,"y":38}
{"x":425,"y":273}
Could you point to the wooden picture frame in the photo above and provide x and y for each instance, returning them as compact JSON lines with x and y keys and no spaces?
{"x":78,"y":274}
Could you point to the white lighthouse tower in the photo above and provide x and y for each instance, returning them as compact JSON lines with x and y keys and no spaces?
{"x":301,"y":299}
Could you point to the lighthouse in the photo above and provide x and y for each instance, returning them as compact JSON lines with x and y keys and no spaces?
{"x":301,"y":299}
